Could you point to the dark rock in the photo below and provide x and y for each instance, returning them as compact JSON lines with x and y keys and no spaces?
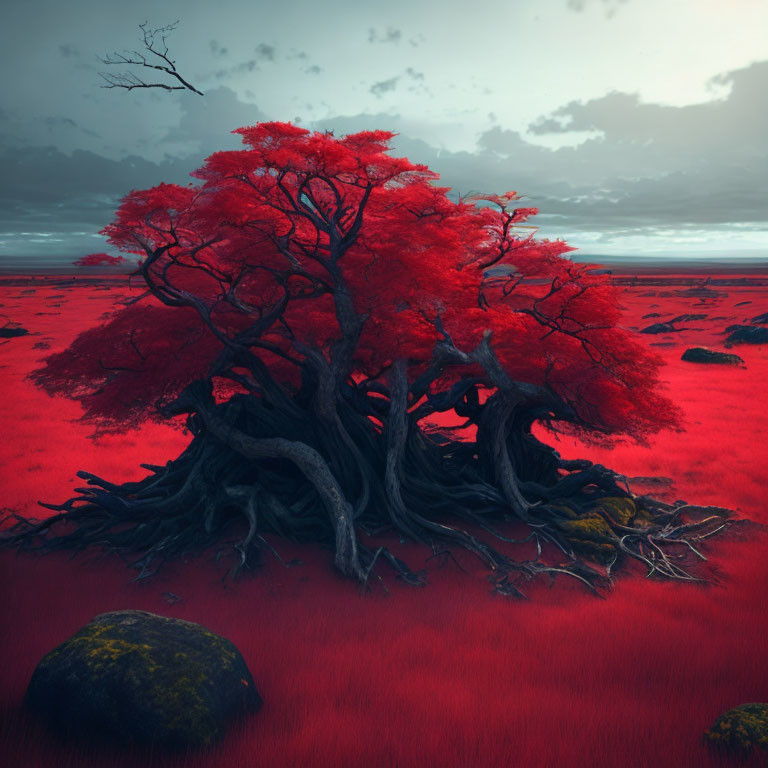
{"x":746,"y":334}
{"x":687,"y":318}
{"x":760,"y":319}
{"x":654,"y":480}
{"x":741,"y":728}
{"x":135,"y":677}
{"x":702,"y":292}
{"x":704,"y":355}
{"x":742,"y":303}
{"x":652,"y":314}
{"x":10,"y":333}
{"x":659,"y":328}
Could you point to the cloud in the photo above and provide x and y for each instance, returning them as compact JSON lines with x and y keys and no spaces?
{"x":263,"y":53}
{"x":389,"y":35}
{"x":68,"y":51}
{"x":313,"y":70}
{"x":266,"y":52}
{"x":206,"y":123}
{"x":217,"y":50}
{"x":610,"y":6}
{"x":644,"y":167}
{"x":384,"y":86}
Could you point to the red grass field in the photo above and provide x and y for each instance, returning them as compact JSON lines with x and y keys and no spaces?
{"x":448,"y":675}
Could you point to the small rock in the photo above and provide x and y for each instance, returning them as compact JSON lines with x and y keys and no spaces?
{"x":741,"y":728}
{"x":760,"y":319}
{"x":651,"y":314}
{"x":705,"y":355}
{"x":10,"y":333}
{"x":660,"y":328}
{"x":687,"y":318}
{"x":746,"y":334}
{"x":135,"y":677}
{"x":655,"y":480}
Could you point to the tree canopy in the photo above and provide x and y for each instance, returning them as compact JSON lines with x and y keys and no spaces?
{"x":306,"y":244}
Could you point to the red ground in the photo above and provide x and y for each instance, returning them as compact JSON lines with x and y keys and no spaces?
{"x":449,"y":675}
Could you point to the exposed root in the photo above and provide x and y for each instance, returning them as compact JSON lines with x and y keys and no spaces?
{"x":238,"y":476}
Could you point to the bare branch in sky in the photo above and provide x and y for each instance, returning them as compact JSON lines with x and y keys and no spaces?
{"x":155,"y":44}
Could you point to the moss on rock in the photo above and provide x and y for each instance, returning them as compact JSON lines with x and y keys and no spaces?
{"x":590,"y":534}
{"x":138,"y":677}
{"x":621,"y":510}
{"x":741,"y":728}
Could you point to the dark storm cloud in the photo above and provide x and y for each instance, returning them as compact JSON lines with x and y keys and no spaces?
{"x":55,"y":124}
{"x":652,"y":162}
{"x":45,"y":190}
{"x":206,"y":123}
{"x":646,"y":166}
{"x":32,"y":175}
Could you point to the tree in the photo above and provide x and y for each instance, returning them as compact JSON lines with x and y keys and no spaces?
{"x":312,"y":307}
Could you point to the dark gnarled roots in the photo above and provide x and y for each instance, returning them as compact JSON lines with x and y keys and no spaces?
{"x":187,"y":505}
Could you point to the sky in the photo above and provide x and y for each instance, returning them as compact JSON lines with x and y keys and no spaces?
{"x":637,"y":127}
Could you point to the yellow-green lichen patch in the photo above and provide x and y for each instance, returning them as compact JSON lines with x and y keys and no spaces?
{"x":741,"y":728}
{"x":590,"y":534}
{"x":619,"y":509}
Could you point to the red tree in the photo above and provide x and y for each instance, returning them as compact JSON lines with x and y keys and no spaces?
{"x":312,"y":304}
{"x":99,"y":260}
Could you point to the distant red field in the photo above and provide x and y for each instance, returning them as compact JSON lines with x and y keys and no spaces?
{"x":447,"y":675}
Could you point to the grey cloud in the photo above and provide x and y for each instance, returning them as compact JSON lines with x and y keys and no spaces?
{"x":389,"y":35}
{"x":266,"y":52}
{"x":384,"y":86}
{"x":54,"y":123}
{"x":313,"y":70}
{"x":217,"y":50}
{"x":610,"y":6}
{"x":68,"y":51}
{"x":647,"y":166}
{"x":206,"y":123}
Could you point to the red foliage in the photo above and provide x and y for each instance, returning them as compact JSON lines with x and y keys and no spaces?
{"x":98,"y":260}
{"x":290,"y":225}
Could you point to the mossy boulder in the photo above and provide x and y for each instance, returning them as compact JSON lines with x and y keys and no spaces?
{"x":740,"y":729}
{"x":135,"y":677}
